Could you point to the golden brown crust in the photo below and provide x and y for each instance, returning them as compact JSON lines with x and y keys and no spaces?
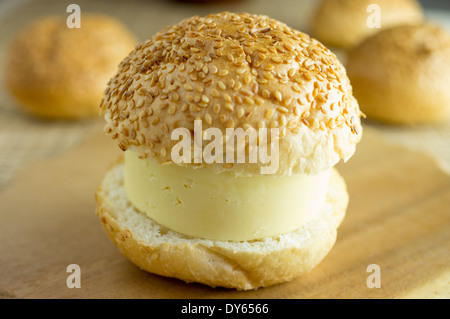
{"x":239,"y":265}
{"x":343,"y":23}
{"x":235,"y":71}
{"x":57,"y":72}
{"x":401,"y":75}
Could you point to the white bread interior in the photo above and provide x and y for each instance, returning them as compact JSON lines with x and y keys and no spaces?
{"x":239,"y":265}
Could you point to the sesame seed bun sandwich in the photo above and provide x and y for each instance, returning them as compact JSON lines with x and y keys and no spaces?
{"x":205,"y":218}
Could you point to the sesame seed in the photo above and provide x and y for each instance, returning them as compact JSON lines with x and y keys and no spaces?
{"x":282,"y":109}
{"x":291,"y":72}
{"x":246,"y":92}
{"x":248,"y":100}
{"x":255,"y":87}
{"x":221,"y":85}
{"x":278,"y":96}
{"x":308,"y":76}
{"x":269,"y":114}
{"x":301,"y":100}
{"x":287,"y":101}
{"x":223,"y":72}
{"x":175,"y":97}
{"x":227,"y":97}
{"x":258,"y":100}
{"x":315,"y":124}
{"x":171,"y":68}
{"x":268,"y":75}
{"x":155,"y":120}
{"x":321,"y":98}
{"x":208,"y":119}
{"x":172,"y":109}
{"x":296,"y":88}
{"x":229,"y":107}
{"x":215,"y":93}
{"x":205,"y":99}
{"x":194,"y":108}
{"x":289,"y":47}
{"x":277,"y":59}
{"x":273,"y":124}
{"x":140,"y":103}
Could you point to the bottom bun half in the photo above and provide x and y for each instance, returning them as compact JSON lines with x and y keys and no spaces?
{"x":240,"y":265}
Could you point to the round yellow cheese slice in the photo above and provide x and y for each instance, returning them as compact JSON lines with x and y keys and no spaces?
{"x":221,"y":206}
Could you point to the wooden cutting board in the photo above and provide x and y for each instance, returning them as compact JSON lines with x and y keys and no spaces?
{"x":398,"y":219}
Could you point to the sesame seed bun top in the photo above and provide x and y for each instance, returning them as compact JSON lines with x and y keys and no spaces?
{"x":235,"y":71}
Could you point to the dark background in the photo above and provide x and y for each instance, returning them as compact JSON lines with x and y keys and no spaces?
{"x":436,"y":4}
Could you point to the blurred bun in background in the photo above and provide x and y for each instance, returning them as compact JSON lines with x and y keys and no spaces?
{"x":343,"y":23}
{"x":56,"y":72}
{"x":402,"y":75}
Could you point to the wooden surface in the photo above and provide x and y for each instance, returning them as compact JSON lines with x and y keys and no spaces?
{"x":398,"y":218}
